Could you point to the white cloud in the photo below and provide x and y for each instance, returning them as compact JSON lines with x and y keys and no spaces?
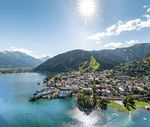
{"x":145,"y":6}
{"x":148,"y":10}
{"x":118,"y":28}
{"x":13,"y":49}
{"x":47,"y":55}
{"x":114,"y":45}
{"x":131,"y":42}
{"x":29,"y":52}
{"x":146,"y":16}
{"x":98,"y":42}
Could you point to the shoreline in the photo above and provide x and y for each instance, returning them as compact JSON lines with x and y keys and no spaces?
{"x":138,"y":104}
{"x":16,"y":70}
{"x":95,"y":88}
{"x":112,"y":104}
{"x":116,"y":104}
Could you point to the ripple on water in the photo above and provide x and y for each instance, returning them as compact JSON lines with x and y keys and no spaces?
{"x":108,"y":118}
{"x":15,"y":111}
{"x":95,"y":119}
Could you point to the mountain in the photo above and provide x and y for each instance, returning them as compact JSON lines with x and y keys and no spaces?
{"x":17,"y":59}
{"x":108,"y":59}
{"x":43,"y":59}
{"x":72,"y":60}
{"x":64,"y":62}
{"x":138,"y":68}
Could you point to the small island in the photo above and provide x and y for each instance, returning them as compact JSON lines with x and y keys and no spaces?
{"x":94,"y":89}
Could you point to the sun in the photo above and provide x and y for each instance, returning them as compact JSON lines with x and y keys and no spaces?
{"x":87,"y":8}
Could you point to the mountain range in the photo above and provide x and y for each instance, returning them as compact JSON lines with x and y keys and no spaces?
{"x":75,"y":59}
{"x":108,"y":59}
{"x":9,"y":59}
{"x":137,"y":68}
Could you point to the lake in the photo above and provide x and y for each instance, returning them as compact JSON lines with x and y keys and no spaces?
{"x":16,"y":111}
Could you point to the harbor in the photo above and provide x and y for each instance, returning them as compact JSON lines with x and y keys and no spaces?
{"x":51,"y":93}
{"x":18,"y":112}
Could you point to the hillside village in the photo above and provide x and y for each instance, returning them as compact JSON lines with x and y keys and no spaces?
{"x":108,"y":86}
{"x":106,"y":83}
{"x":87,"y":84}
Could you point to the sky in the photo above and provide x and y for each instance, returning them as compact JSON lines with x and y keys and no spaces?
{"x":51,"y":27}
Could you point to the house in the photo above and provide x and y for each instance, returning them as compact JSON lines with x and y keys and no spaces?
{"x":105,"y":92}
{"x":64,"y":92}
{"x":121,"y":90}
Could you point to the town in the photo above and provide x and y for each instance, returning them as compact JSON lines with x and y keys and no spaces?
{"x":109,"y":85}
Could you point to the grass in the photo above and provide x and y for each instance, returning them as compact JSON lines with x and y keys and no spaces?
{"x":117,"y":106}
{"x":139,"y":104}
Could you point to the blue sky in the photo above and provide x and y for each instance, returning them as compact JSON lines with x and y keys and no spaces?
{"x":50,"y":27}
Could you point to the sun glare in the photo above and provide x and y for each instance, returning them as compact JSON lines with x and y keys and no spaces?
{"x":87,"y":8}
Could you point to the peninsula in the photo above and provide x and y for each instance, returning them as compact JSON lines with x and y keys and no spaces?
{"x":98,"y":89}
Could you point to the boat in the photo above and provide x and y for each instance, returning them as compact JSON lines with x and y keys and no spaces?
{"x":144,"y":118}
{"x":147,"y":107}
{"x":38,"y":83}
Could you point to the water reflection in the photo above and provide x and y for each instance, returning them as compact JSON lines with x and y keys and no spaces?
{"x":15,"y":111}
{"x":108,"y":118}
{"x":94,"y":119}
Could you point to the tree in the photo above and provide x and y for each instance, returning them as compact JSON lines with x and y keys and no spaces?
{"x":81,"y":70}
{"x":49,"y":77}
{"x":128,"y":103}
{"x":102,"y":103}
{"x":94,"y":93}
{"x":84,"y":100}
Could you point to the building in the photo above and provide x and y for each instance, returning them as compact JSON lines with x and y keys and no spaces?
{"x":64,"y":92}
{"x":105,"y":92}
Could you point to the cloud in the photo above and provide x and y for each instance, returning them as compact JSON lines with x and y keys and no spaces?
{"x":146,"y":16}
{"x":29,"y":52}
{"x":120,"y":27}
{"x":145,"y":6}
{"x":148,"y":10}
{"x":98,"y":42}
{"x":47,"y":55}
{"x":131,"y":42}
{"x":114,"y":45}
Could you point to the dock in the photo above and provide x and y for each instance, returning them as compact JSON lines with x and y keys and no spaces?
{"x":42,"y":94}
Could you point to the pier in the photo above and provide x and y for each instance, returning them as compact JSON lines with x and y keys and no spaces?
{"x":42,"y":93}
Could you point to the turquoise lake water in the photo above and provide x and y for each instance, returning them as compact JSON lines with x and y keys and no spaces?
{"x":16,"y":111}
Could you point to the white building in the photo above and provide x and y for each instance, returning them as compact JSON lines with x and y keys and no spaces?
{"x":65,"y":92}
